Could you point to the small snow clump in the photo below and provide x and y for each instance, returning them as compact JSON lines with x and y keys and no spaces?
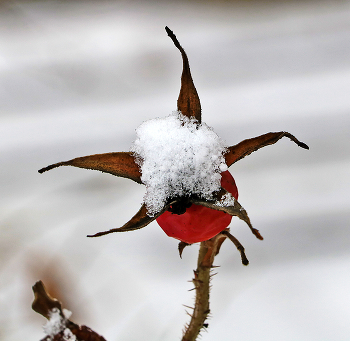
{"x":226,"y":200}
{"x":68,"y":335}
{"x":178,"y":157}
{"x":57,"y":323}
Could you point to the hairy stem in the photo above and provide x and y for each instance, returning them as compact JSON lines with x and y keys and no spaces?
{"x":207,"y":252}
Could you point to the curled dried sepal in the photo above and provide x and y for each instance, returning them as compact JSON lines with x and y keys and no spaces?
{"x":138,"y":221}
{"x":219,"y":242}
{"x":246,"y":147}
{"x":120,"y":164}
{"x":238,"y":245}
{"x":235,"y":210}
{"x":188,"y":102}
{"x":181,"y":247}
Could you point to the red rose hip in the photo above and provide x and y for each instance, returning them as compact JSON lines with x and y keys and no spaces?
{"x":198,"y":223}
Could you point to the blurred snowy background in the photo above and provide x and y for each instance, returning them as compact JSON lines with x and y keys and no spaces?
{"x":77,"y":78}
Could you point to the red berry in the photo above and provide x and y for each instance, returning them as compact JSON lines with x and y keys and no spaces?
{"x":198,"y":223}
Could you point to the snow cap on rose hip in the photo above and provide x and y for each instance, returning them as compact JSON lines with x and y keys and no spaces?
{"x":183,"y":165}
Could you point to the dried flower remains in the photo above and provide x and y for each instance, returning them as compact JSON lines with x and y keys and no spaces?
{"x":184,"y":166}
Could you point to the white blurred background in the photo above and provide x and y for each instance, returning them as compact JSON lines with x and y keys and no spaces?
{"x":77,"y":78}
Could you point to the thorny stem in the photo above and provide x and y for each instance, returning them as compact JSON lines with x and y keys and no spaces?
{"x":207,"y":252}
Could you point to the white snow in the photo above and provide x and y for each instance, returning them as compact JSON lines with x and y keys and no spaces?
{"x":68,"y":335}
{"x":178,"y":157}
{"x":226,"y":200}
{"x":57,"y":323}
{"x":67,"y":313}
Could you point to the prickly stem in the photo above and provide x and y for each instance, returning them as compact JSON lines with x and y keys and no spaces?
{"x":201,"y":281}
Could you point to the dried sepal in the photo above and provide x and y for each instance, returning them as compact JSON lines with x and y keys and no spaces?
{"x":181,"y":247}
{"x":188,"y":102}
{"x":238,"y":245}
{"x":120,"y":164}
{"x":235,"y":210}
{"x":138,"y":221}
{"x":246,"y":147}
{"x":219,"y":239}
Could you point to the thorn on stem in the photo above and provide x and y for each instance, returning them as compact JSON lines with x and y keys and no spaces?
{"x":188,"y":306}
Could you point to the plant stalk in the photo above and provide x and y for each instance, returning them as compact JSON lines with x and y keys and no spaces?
{"x":207,"y":252}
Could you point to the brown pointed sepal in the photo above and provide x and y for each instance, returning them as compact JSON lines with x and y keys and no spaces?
{"x":120,"y":164}
{"x":238,"y":245}
{"x":188,"y":102}
{"x":225,"y":202}
{"x":181,"y":247}
{"x":138,"y":221}
{"x":61,"y":329}
{"x":246,"y":147}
